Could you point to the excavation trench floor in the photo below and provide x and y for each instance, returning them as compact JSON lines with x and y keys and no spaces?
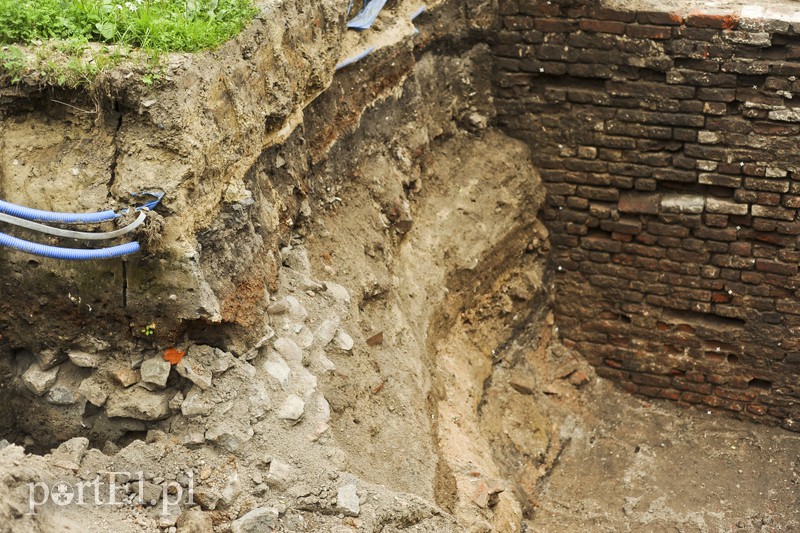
{"x":632,"y":465}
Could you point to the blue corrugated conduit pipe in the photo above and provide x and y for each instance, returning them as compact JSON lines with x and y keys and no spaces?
{"x":29,"y":218}
{"x":69,"y":254}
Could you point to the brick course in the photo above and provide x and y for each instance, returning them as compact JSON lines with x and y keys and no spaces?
{"x":668,"y":147}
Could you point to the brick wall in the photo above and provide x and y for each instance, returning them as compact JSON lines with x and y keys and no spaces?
{"x":670,"y":150}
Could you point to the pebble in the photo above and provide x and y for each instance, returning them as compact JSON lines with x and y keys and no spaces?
{"x":231,"y":490}
{"x":296,"y":259}
{"x":347,"y":501}
{"x":39,"y":381}
{"x":259,"y":520}
{"x":176,"y":401}
{"x":126,"y":376}
{"x":84,"y":359}
{"x":278,"y":308}
{"x":138,"y":403}
{"x":279,"y":370}
{"x":279,"y":474}
{"x":343,"y":341}
{"x":155,"y":371}
{"x":150,"y":493}
{"x":49,"y":358}
{"x":195,"y":372}
{"x":195,"y":521}
{"x":196,"y":404}
{"x":292,"y":408}
{"x":327,"y":330}
{"x":59,"y":395}
{"x":296,"y":309}
{"x":338,"y":292}
{"x":258,"y":399}
{"x":212,"y":358}
{"x":288,"y":349}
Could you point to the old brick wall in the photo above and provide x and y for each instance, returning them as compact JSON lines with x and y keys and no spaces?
{"x":670,"y":150}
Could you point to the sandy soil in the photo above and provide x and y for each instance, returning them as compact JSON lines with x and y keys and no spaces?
{"x":631,"y":465}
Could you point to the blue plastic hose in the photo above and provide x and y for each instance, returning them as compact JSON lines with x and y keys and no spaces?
{"x":364,"y":18}
{"x":354,"y":59}
{"x":39,"y":215}
{"x":69,"y":254}
{"x":53,"y":216}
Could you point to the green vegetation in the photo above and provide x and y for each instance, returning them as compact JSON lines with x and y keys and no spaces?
{"x":57,"y":33}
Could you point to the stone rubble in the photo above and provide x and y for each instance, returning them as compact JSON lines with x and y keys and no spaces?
{"x":39,"y":381}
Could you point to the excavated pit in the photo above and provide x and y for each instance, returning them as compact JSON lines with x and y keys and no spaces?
{"x":364,"y":273}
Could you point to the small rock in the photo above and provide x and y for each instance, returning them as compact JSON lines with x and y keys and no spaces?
{"x":279,"y":475}
{"x":193,"y":437}
{"x":230,"y":434}
{"x":478,"y":121}
{"x":196,"y":404}
{"x":59,"y":395}
{"x":212,"y":358}
{"x":195,"y":521}
{"x":278,"y":308}
{"x":155,"y":371}
{"x":259,"y":520}
{"x":126,"y":376}
{"x":279,"y":370}
{"x":207,"y":498}
{"x":288,"y":349}
{"x":70,"y":453}
{"x":231,"y":490}
{"x":150,"y":493}
{"x":176,"y":401}
{"x":338,"y":292}
{"x":138,"y":403}
{"x":347,"y":501}
{"x":84,"y":359}
{"x":195,"y":372}
{"x":322,"y":417}
{"x":343,"y":341}
{"x":39,"y":381}
{"x":292,"y":408}
{"x":258,"y":399}
{"x":375,"y":340}
{"x":578,"y":378}
{"x":167,"y":520}
{"x":296,"y":309}
{"x":523,"y":384}
{"x":327,"y":330}
{"x":48,"y":358}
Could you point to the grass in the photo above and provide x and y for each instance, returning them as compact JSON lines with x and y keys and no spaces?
{"x":59,"y":33}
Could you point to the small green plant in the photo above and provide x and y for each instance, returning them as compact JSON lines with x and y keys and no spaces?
{"x":149,"y":329}
{"x":12,"y":63}
{"x":66,"y":28}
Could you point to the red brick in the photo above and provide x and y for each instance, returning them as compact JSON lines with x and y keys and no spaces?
{"x":693,"y":397}
{"x":603,"y":26}
{"x":639,"y":203}
{"x":602,"y":13}
{"x":643,"y":31}
{"x":738,"y":395}
{"x":659,"y":17}
{"x":719,"y":22}
{"x":651,"y":380}
{"x":555,"y":25}
{"x":774,"y":267}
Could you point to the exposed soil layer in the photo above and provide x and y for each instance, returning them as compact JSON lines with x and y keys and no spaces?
{"x":356,"y":276}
